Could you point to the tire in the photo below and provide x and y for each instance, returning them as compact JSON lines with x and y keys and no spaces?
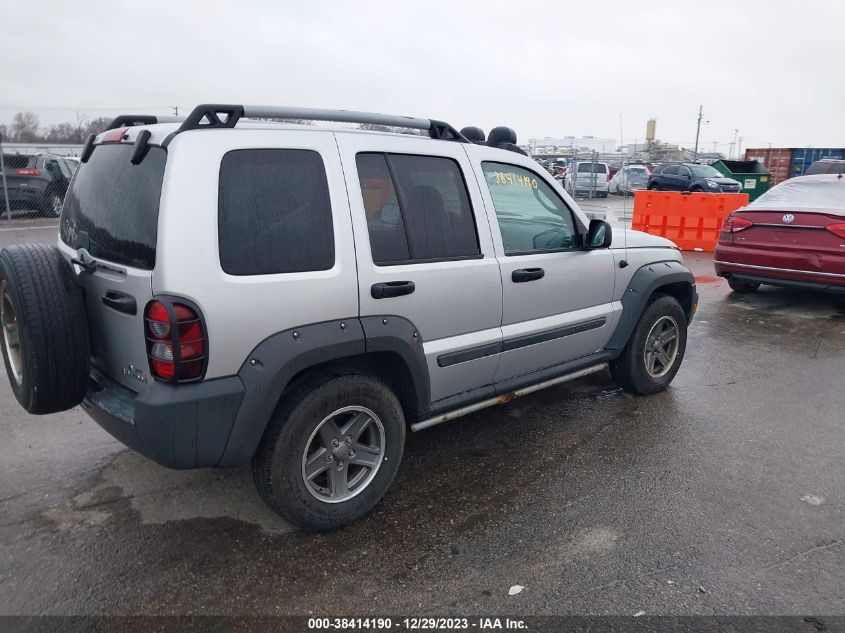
{"x":279,"y":464}
{"x":654,"y":187}
{"x":44,"y":328}
{"x":742,"y":287}
{"x":696,"y":190}
{"x":629,"y":370}
{"x":52,"y":205}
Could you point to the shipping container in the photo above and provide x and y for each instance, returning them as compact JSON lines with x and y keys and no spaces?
{"x":778,"y":161}
{"x":803,"y":157}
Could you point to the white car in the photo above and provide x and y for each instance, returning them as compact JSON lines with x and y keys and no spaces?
{"x":587,"y":177}
{"x":628,"y":180}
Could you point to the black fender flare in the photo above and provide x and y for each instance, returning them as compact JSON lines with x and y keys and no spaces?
{"x":271,"y":365}
{"x":642,"y":286}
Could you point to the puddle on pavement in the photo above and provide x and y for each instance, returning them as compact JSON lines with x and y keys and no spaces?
{"x":159,"y":495}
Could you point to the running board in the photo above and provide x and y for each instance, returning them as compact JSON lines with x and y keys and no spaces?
{"x":506,"y":397}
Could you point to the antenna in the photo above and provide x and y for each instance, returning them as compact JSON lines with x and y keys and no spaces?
{"x":623,"y":263}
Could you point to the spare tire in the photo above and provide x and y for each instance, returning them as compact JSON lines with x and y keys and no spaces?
{"x":44,"y":328}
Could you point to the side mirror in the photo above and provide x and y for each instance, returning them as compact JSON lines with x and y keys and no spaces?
{"x":600,"y":235}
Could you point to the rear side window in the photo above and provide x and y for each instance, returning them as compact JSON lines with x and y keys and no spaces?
{"x":417,"y":208}
{"x":112,"y":208}
{"x":275,"y":212}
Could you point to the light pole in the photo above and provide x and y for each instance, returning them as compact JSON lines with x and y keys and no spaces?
{"x":697,"y":132}
{"x":733,"y":145}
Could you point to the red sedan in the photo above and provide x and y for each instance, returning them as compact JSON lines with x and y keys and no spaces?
{"x":793,"y":235}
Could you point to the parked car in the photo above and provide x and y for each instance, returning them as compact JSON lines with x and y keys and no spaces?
{"x":296,"y":297}
{"x":792,"y":235}
{"x":36,"y":182}
{"x":691,"y":177}
{"x":586,"y":177}
{"x":826,"y":166}
{"x":629,"y":179}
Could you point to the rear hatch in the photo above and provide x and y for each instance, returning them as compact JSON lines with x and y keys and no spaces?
{"x":799,"y":240}
{"x":110,"y":218}
{"x":591,"y":173}
{"x":20,"y":170}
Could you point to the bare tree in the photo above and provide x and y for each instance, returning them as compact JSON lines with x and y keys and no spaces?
{"x":25,"y":127}
{"x":95,"y":126}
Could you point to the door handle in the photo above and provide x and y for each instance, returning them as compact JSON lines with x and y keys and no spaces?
{"x":392,"y":289}
{"x":527,"y":274}
{"x":120,"y":302}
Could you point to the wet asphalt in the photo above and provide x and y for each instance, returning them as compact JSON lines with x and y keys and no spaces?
{"x":723,"y":495}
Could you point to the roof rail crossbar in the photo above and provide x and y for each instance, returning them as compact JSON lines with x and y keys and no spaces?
{"x":209,"y":116}
{"x":129,"y":120}
{"x":436,"y":129}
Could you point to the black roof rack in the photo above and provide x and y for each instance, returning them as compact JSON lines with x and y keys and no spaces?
{"x":209,"y":116}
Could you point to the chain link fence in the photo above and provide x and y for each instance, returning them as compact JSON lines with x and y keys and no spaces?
{"x":35,"y":177}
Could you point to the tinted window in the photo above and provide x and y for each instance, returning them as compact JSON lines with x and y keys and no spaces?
{"x":587,"y":168}
{"x":532,"y":218}
{"x":417,"y":208}
{"x":671,"y":170}
{"x":274,"y":212}
{"x":17,"y":162}
{"x":112,"y":207}
{"x":704,"y":171}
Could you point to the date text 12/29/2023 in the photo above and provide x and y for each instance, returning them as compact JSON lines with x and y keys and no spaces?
{"x":415,"y":624}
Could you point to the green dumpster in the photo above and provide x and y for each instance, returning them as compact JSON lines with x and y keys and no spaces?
{"x":751,"y":174}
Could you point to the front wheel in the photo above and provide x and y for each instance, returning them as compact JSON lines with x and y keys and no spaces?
{"x":331,"y":451}
{"x":655,"y":350}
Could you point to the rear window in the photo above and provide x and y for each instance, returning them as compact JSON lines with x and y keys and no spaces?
{"x":275,"y":214}
{"x":112,"y":208}
{"x":587,"y":168}
{"x":18,"y":162}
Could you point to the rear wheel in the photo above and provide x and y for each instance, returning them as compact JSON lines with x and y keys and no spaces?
{"x":45,"y":333}
{"x":654,"y":187}
{"x":331,"y":451}
{"x":655,"y":350}
{"x":742,"y":287}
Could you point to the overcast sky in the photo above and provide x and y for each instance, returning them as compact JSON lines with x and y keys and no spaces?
{"x":772,"y":69}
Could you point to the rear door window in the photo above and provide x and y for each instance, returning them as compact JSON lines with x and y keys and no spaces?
{"x":112,"y":208}
{"x":417,"y":208}
{"x":274,"y":213}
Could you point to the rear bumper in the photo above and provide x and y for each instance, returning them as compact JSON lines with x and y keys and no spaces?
{"x":184,"y":426}
{"x":774,"y":276}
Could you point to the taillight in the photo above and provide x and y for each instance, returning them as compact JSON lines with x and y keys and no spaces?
{"x":735,"y":225}
{"x":114,"y":136}
{"x":27,"y":172}
{"x":837,"y":229}
{"x":176,"y":344}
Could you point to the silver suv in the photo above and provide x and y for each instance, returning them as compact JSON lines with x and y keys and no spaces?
{"x":228,"y":290}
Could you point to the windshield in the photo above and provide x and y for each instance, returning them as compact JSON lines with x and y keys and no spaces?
{"x":111,"y":209}
{"x":704,"y":171}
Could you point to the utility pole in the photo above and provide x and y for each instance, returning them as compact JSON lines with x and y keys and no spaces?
{"x":697,"y":132}
{"x":5,"y":189}
{"x":739,"y":149}
{"x":733,"y":145}
{"x":175,"y":110}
